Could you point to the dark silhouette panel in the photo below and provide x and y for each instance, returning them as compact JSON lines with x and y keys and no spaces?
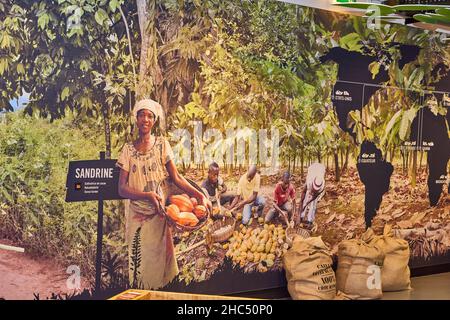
{"x":427,"y":129}
{"x":375,"y":173}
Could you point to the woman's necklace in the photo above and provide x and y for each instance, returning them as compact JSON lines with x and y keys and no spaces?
{"x":144,"y":147}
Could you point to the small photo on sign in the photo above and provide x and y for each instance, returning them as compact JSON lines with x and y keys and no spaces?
{"x":77,"y":186}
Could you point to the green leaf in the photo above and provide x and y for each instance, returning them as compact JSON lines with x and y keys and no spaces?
{"x":390,"y":125}
{"x":370,"y":135}
{"x":444,"y":11}
{"x":374,"y":68}
{"x":65,"y":93}
{"x":20,"y":68}
{"x":351,"y":41}
{"x":113,"y":5}
{"x":101,"y":16}
{"x":43,"y":20}
{"x":85,"y":65}
{"x":5,"y":41}
{"x":432,"y":18}
{"x":3,"y":66}
{"x":407,"y":118}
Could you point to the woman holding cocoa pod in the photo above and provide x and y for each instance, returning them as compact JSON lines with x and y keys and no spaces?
{"x":145,"y":163}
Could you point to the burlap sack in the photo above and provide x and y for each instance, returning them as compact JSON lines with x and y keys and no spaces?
{"x":359,"y":269}
{"x":395,"y":275}
{"x":308,"y":264}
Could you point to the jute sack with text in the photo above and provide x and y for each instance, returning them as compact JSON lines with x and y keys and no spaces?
{"x":395,"y":275}
{"x":309,"y":273}
{"x":359,"y":269}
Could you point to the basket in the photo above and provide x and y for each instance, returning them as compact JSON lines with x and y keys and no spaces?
{"x":168,"y":189}
{"x":292,"y":232}
{"x":217,"y":234}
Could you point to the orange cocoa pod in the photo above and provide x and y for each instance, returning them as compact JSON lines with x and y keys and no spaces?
{"x":183,"y":203}
{"x":200,"y":211}
{"x":187,"y":219}
{"x":173,"y":211}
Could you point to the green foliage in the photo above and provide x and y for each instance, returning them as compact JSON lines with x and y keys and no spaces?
{"x":34,"y":157}
{"x":135,"y":262}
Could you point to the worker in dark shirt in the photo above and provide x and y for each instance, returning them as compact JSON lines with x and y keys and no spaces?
{"x":214,"y":184}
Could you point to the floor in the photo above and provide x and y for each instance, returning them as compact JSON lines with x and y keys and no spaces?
{"x":432,"y":287}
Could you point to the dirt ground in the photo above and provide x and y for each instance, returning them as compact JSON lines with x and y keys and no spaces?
{"x":21,"y":276}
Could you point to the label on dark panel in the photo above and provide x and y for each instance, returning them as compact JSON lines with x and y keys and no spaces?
{"x":89,"y":180}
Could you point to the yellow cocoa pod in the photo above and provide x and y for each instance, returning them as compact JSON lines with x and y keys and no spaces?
{"x":269,"y":263}
{"x":266,"y":226}
{"x":273,"y":248}
{"x":256,"y":257}
{"x":272,"y":227}
{"x":260,"y":248}
{"x":263,"y":256}
{"x":250,"y":256}
{"x":271,"y":256}
{"x":225,"y":245}
{"x":243,"y":248}
{"x":254,"y":248}
{"x":243,"y":255}
{"x":268,"y":246}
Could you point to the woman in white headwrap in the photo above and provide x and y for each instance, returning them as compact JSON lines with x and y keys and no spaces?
{"x":144,"y":163}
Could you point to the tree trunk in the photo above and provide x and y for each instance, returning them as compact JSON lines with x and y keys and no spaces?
{"x":403,"y":160}
{"x":347,"y":154}
{"x":336,"y":167}
{"x":392,"y":154}
{"x":407,"y":162}
{"x":414,"y":169}
{"x":421,"y":157}
{"x":150,"y":75}
{"x":302,"y":160}
{"x":289,"y":162}
{"x":295,"y":159}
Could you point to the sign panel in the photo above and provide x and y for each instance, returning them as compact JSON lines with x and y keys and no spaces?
{"x":89,"y":180}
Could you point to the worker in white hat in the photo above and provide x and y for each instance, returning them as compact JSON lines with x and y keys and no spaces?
{"x":312,"y":193}
{"x":144,"y":166}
